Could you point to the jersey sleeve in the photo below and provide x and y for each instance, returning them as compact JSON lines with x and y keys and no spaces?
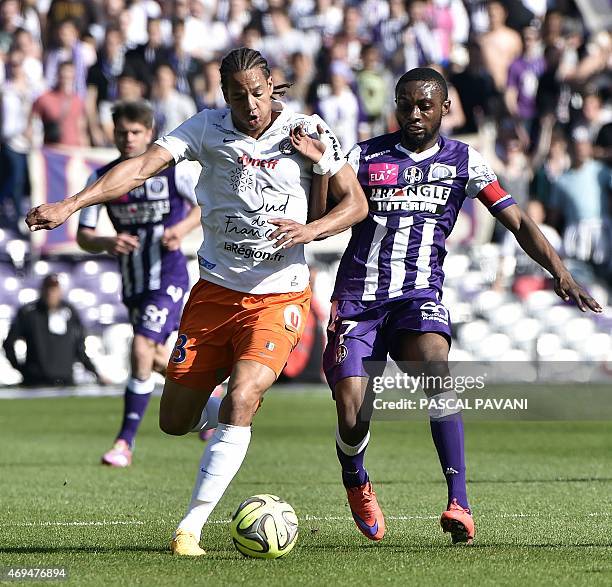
{"x":332,"y":142}
{"x":482,"y":184}
{"x":185,"y":141}
{"x":186,"y":175}
{"x":89,"y":216}
{"x":353,"y":157}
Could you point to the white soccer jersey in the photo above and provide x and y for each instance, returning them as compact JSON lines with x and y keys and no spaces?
{"x":244,"y":183}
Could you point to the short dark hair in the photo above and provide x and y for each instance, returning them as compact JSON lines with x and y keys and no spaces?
{"x":137,"y":111}
{"x":423,"y":74}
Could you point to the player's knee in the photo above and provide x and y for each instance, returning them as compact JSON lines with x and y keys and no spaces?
{"x":173,"y":425}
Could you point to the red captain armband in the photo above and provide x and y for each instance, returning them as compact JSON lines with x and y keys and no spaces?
{"x":495,"y":198}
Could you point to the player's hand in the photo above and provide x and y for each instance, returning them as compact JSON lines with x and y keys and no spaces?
{"x":123,"y":244}
{"x":172,"y":238}
{"x":290,"y":233}
{"x":567,"y":289}
{"x":48,"y":216}
{"x":308,"y":146}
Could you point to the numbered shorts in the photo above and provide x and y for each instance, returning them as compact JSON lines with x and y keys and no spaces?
{"x":221,"y":326}
{"x":156,"y":314}
{"x":360,"y":332}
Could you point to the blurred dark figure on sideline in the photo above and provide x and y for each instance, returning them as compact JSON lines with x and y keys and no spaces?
{"x":54,"y":336}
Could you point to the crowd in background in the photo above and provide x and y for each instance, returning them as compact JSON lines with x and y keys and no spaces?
{"x":529,"y":81}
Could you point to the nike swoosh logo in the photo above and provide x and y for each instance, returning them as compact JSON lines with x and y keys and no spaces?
{"x":229,"y":140}
{"x":371,"y":530}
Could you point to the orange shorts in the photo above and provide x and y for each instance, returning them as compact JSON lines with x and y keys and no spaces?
{"x":220,"y":326}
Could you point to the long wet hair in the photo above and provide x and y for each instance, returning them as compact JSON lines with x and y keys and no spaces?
{"x":243,"y":59}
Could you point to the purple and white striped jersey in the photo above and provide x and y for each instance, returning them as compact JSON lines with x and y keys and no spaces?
{"x":414,"y":200}
{"x":145,"y":212}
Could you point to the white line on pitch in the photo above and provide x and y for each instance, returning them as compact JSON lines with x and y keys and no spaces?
{"x":305,"y":518}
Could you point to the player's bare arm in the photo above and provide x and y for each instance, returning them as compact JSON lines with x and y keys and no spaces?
{"x":173,"y":235}
{"x":535,"y":244}
{"x":351,"y":209}
{"x":120,"y":244}
{"x":119,"y":180}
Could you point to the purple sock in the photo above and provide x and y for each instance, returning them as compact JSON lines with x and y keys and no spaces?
{"x":354,"y":473}
{"x":447,"y":435}
{"x":134,"y":408}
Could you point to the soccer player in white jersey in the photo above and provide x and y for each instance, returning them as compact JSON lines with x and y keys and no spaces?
{"x":388,"y":292}
{"x":248,"y":311}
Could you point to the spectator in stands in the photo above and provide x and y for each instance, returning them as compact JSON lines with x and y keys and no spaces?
{"x":238,"y":18}
{"x":500,"y":46}
{"x":102,"y":82}
{"x":373,"y":83}
{"x":341,"y":109}
{"x":207,"y":87}
{"x":420,"y":44}
{"x":83,"y":13}
{"x":353,"y":35}
{"x":129,"y":89}
{"x":388,"y":35}
{"x":32,"y":63}
{"x":183,"y":63}
{"x":68,"y":47}
{"x":147,"y":57}
{"x":594,"y":113}
{"x":287,"y":40}
{"x":302,"y":71}
{"x":62,"y":111}
{"x":325,"y":19}
{"x":16,"y":99}
{"x":476,"y":90}
{"x":10,"y":21}
{"x":523,"y":76}
{"x":171,"y":108}
{"x":581,"y":195}
{"x":54,"y":337}
{"x":551,"y":163}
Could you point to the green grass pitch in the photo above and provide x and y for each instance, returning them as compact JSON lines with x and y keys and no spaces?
{"x":541,"y":492}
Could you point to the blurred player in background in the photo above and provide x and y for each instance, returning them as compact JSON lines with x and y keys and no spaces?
{"x":388,"y":292}
{"x":151,"y":221}
{"x":248,"y":310}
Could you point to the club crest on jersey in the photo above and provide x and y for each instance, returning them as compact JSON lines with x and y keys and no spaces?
{"x":157,"y":188}
{"x":413,"y":175}
{"x":382,"y":173}
{"x":341,"y":353}
{"x":442,"y":173}
{"x":176,"y":293}
{"x":286,"y":147}
{"x":293,"y":317}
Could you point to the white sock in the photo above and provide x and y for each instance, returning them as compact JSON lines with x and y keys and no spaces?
{"x":222,"y":458}
{"x":210,"y":415}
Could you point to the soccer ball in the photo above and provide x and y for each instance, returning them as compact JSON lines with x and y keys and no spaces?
{"x":264,"y":526}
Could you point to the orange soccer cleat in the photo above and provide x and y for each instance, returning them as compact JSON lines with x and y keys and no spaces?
{"x":459,"y":522}
{"x":366,"y":512}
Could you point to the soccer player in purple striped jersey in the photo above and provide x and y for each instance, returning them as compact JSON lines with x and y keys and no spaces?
{"x":151,"y":221}
{"x":388,"y":293}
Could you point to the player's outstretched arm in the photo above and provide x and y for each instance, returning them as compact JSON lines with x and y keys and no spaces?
{"x":351,"y":209}
{"x":535,"y":244}
{"x":118,"y":181}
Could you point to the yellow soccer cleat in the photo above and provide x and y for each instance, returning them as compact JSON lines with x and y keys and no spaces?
{"x":185,"y":544}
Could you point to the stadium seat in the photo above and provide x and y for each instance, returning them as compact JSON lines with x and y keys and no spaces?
{"x":472,"y":333}
{"x":523,"y":334}
{"x":576,"y":332}
{"x":506,"y":316}
{"x":492,"y":347}
{"x":487,"y":302}
{"x":596,"y":347}
{"x":547,"y":345}
{"x":555,"y":318}
{"x":538,"y":301}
